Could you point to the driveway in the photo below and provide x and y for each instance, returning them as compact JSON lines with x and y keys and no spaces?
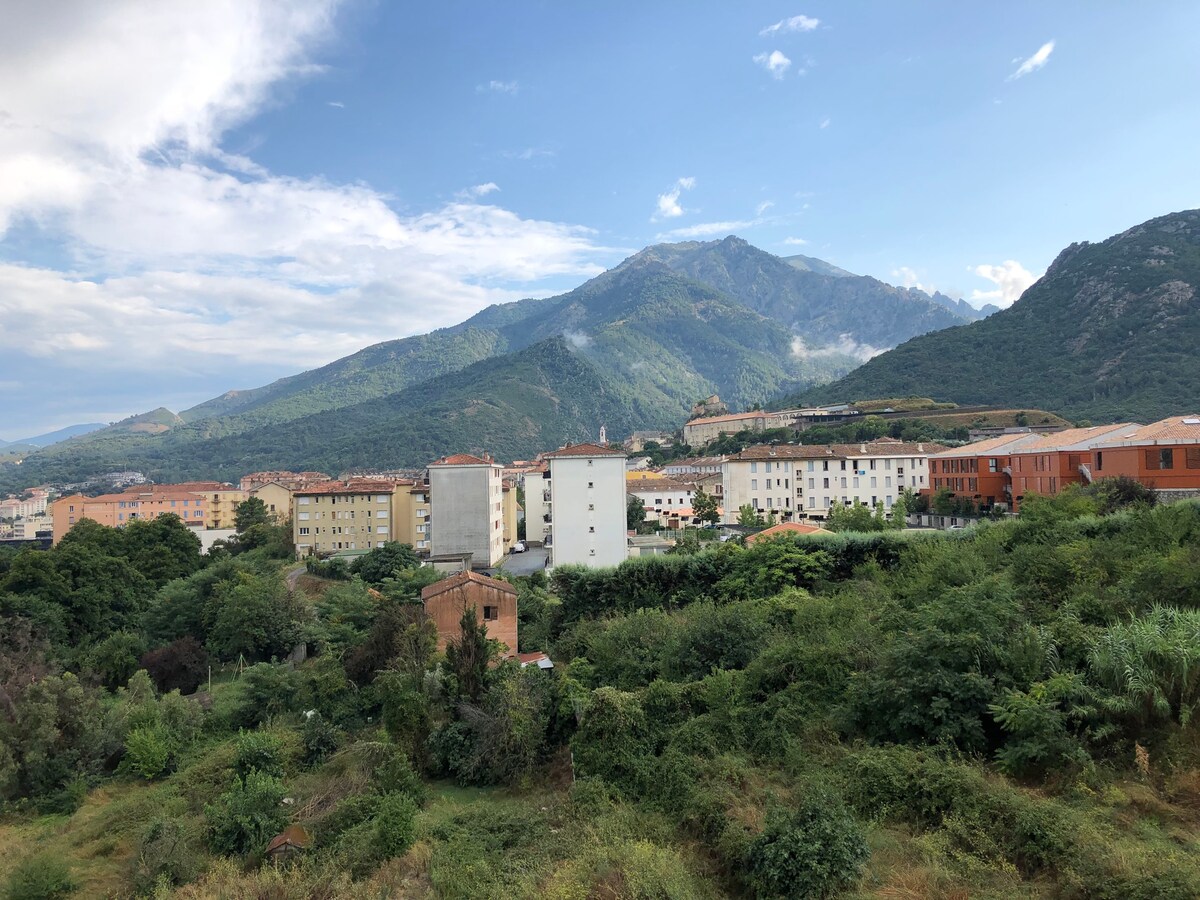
{"x":532,"y":560}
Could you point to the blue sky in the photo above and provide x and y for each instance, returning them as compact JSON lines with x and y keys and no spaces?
{"x":195,"y":198}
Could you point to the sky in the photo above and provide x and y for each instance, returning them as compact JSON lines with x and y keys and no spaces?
{"x":197,"y":197}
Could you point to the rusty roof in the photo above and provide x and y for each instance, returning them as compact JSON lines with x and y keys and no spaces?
{"x":987,"y":446}
{"x":785,"y":528}
{"x":463,"y":459}
{"x":1076,"y":438}
{"x":351,"y":487}
{"x":462,"y":578}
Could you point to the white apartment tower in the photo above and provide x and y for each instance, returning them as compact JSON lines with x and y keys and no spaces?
{"x":467,"y":509}
{"x":586,"y":506}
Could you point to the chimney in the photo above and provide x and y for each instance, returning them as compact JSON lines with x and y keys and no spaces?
{"x":920,"y":448}
{"x":862,"y":448}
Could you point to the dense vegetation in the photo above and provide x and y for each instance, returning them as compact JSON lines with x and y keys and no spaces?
{"x":1007,"y":711}
{"x":1108,"y":334}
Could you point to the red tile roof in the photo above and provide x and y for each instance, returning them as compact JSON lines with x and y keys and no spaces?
{"x":785,"y":528}
{"x":1173,"y":430}
{"x":462,"y":459}
{"x":1077,"y":438}
{"x":583,"y":450}
{"x":988,"y":446}
{"x":440,"y":587}
{"x":351,"y":487}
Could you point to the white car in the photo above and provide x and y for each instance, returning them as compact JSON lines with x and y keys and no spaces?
{"x":518,"y":547}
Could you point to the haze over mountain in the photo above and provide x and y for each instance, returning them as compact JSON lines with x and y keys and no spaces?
{"x":668,"y":325}
{"x":1109,"y":332}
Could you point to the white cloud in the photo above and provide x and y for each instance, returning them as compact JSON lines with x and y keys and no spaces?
{"x":910,"y":279}
{"x":498,"y":87}
{"x":1034,"y":62}
{"x":708,"y":229}
{"x":336,"y":104}
{"x":577,"y":338}
{"x":795,"y":23}
{"x":774,"y":62}
{"x":825,"y":122}
{"x":204,"y":260}
{"x":763,"y":207}
{"x":844,"y":346}
{"x":667,"y":206}
{"x":795,"y":241}
{"x":1011,"y":279}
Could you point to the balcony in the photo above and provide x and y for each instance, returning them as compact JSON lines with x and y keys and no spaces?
{"x":546,"y":518}
{"x":546,"y":496}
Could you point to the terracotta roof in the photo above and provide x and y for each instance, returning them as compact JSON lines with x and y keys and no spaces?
{"x":1076,"y":438}
{"x":152,"y":495}
{"x":292,"y":836}
{"x":882,"y":447}
{"x":1173,"y":430}
{"x":731,"y":417}
{"x":583,"y":450}
{"x":440,"y":587}
{"x":541,"y":660}
{"x":349,"y":487}
{"x":785,"y":528}
{"x":462,"y":459}
{"x":990,"y":445}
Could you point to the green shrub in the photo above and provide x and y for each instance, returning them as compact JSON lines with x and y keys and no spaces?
{"x":319,"y":739}
{"x":246,"y":816}
{"x":258,"y":751}
{"x":814,"y":851}
{"x":166,"y":854}
{"x":148,"y":751}
{"x":42,"y":877}
{"x":395,"y":824}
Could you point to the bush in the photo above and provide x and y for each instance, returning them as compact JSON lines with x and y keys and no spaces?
{"x":395,"y":824}
{"x":181,"y":665}
{"x":41,"y":877}
{"x":258,"y":751}
{"x":247,"y":816}
{"x":148,"y":751}
{"x":817,"y":850}
{"x":166,"y":855}
{"x":319,"y":739}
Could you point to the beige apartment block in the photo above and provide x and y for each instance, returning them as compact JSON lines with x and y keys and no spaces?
{"x":510,"y":516}
{"x":410,"y":515}
{"x":344,"y":515}
{"x":277,"y":498}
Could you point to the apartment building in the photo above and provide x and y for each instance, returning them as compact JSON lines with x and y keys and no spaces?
{"x":583,"y":504}
{"x":1164,"y":456}
{"x":115,"y":510}
{"x":981,"y":471}
{"x":344,"y":515}
{"x":794,"y":481}
{"x":511,"y":514}
{"x":697,"y":465}
{"x":1048,"y":463}
{"x":467,"y":509}
{"x":665,"y":499}
{"x":410,"y":515}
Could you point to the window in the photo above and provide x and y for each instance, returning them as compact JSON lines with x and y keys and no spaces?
{"x":812,"y":484}
{"x":754,"y":502}
{"x":826,"y":485}
{"x":843,"y":481}
{"x":591,"y":507}
{"x":887,"y":480}
{"x":769,"y":504}
{"x":304,"y":531}
{"x":591,"y":529}
{"x":873,"y":481}
{"x":754,"y":484}
{"x":591,"y":484}
{"x":872,"y":464}
{"x":753,"y":467}
{"x":304,"y":516}
{"x":491,"y":613}
{"x":379,"y":513}
{"x":382,"y":498}
{"x":811,"y":465}
{"x":993,"y":465}
{"x":1192,"y":461}
{"x":887,"y":464}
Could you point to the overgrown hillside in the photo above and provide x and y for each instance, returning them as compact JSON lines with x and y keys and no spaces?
{"x":1004,"y":712}
{"x":1108,"y":333}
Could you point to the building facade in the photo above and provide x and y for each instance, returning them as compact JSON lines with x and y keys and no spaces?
{"x":467,"y":508}
{"x":583,"y":495}
{"x":794,"y":482}
{"x":494,"y":602}
{"x":1164,"y":456}
{"x":344,"y":515}
{"x":115,"y":510}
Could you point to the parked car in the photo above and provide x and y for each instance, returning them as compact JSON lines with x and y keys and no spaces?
{"x":518,"y":547}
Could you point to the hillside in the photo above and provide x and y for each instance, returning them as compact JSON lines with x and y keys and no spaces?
{"x":1109,"y":332}
{"x":826,"y":309}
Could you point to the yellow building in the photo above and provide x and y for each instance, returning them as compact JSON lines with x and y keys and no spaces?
{"x":277,"y":499}
{"x":509,"y":515}
{"x":360,"y":514}
{"x":222,"y":506}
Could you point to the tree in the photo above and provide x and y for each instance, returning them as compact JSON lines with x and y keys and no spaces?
{"x":469,"y":654}
{"x":854,"y":518}
{"x":899,"y":512}
{"x":704,"y":507}
{"x":749,"y":517}
{"x":246,"y":816}
{"x":635,"y":512}
{"x":249,"y":512}
{"x":384,"y":562}
{"x":179,"y":666}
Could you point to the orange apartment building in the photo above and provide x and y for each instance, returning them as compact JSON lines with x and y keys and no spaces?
{"x":115,"y":510}
{"x":1164,"y":456}
{"x":981,"y":471}
{"x":1048,"y":463}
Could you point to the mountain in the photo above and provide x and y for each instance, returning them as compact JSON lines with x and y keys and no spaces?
{"x":1108,"y":333}
{"x":812,"y":264}
{"x":53,"y":437}
{"x":855,"y":312}
{"x":961,"y":307}
{"x":666,"y":326}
